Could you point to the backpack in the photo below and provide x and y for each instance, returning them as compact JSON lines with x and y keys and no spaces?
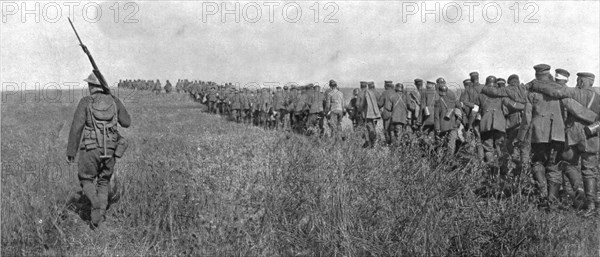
{"x":103,"y":116}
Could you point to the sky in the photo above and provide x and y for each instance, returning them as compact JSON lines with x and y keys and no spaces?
{"x":376,"y":40}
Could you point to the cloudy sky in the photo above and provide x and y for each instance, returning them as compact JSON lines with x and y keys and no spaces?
{"x":362,"y":40}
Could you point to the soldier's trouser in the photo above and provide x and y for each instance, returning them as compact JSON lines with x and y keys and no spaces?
{"x":449,"y":138}
{"x":211,"y":107}
{"x":280,"y":118}
{"x":90,"y":167}
{"x":371,"y":132}
{"x":396,"y":129}
{"x":477,"y":138}
{"x":298,"y":121}
{"x":543,"y":164}
{"x":263,"y":118}
{"x":335,"y":121}
{"x":512,"y":151}
{"x":235,"y":114}
{"x":315,"y":120}
{"x":387,"y":130}
{"x":494,"y":147}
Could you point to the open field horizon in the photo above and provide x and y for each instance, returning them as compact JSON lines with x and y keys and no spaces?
{"x":196,"y":184}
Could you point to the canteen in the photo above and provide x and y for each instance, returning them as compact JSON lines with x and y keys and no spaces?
{"x":592,"y":129}
{"x":426,"y":111}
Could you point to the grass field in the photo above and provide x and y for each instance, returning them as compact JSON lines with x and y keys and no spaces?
{"x":195,"y":184}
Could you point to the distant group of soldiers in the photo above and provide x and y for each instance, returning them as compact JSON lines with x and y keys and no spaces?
{"x":299,"y":108}
{"x":140,"y":84}
{"x":543,"y":128}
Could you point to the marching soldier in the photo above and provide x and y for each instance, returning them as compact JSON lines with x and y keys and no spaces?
{"x":517,"y":94}
{"x":157,"y":87}
{"x":493,"y":127}
{"x":300,"y":108}
{"x":212,"y":99}
{"x":335,"y":106}
{"x":352,"y":108}
{"x":370,"y":112}
{"x":543,"y":117}
{"x":290,"y":104}
{"x":582,"y":149}
{"x":168,"y":87}
{"x":98,"y":144}
{"x":315,"y":116}
{"x":246,"y":107}
{"x":428,"y":98}
{"x":279,"y":107}
{"x":446,"y":114}
{"x":386,"y":104}
{"x":264,"y":106}
{"x":236,"y":105}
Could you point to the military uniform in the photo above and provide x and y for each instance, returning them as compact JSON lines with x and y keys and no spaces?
{"x":92,"y":164}
{"x":386,"y":103}
{"x":370,"y":111}
{"x":212,"y":98}
{"x":279,"y":107}
{"x":543,"y":118}
{"x":236,"y":106}
{"x":445,"y":119}
{"x":300,"y":107}
{"x":493,"y":127}
{"x":428,"y":98}
{"x":264,"y":105}
{"x":168,"y":87}
{"x":336,"y":105}
{"x":316,"y":101}
{"x":582,"y":149}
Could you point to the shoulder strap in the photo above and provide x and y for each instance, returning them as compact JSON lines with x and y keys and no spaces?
{"x":592,"y":100}
{"x":444,"y":102}
{"x":397,"y":101}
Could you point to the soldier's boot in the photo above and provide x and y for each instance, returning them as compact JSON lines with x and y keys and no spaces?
{"x":553,"y":199}
{"x":589,"y":184}
{"x":89,"y":189}
{"x":539,"y":174}
{"x":576,"y":182}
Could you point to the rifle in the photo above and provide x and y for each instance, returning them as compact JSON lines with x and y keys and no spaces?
{"x":96,"y":71}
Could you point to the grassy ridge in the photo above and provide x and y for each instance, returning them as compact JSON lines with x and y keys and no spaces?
{"x":197,"y":184}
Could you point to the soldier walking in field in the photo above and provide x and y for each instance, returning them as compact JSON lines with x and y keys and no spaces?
{"x":279,"y":108}
{"x":370,"y":111}
{"x":236,"y":101}
{"x":514,"y":97}
{"x":157,"y":87}
{"x":385,"y":102}
{"x":212,"y":98}
{"x":543,"y":117}
{"x":428,"y":98}
{"x":582,"y":149}
{"x":446,"y":119}
{"x":352,"y":108}
{"x":335,"y":106}
{"x":168,"y":87}
{"x":316,"y":101}
{"x":94,"y":128}
{"x":493,"y":128}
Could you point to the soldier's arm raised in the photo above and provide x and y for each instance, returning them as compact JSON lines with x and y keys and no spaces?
{"x":553,"y":89}
{"x":495,"y":91}
{"x":512,"y":105}
{"x":576,"y":109}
